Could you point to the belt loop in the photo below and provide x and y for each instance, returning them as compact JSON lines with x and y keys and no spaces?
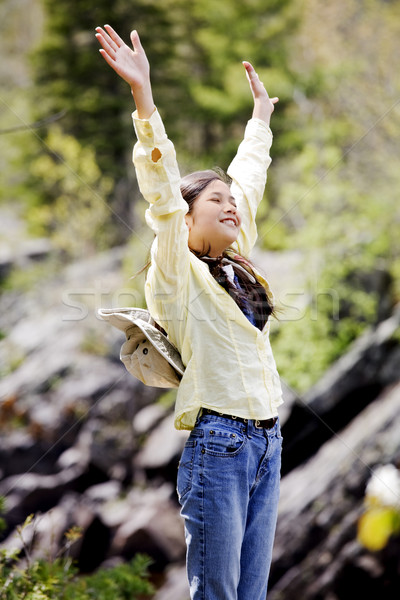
{"x":249,"y":429}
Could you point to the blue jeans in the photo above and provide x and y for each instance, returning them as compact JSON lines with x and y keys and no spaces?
{"x":228,"y":488}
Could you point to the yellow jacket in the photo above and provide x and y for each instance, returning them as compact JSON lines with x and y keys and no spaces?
{"x":229,"y":363}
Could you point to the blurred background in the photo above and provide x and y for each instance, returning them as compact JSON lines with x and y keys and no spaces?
{"x":88,"y":450}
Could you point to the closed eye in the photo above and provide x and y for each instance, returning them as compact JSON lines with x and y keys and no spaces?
{"x":216,"y":199}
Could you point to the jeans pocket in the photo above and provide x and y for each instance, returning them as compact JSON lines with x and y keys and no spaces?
{"x":185,"y":469}
{"x":224,"y":442}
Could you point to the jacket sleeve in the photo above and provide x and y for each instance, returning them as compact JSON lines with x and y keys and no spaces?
{"x":248,"y":171}
{"x":159,"y":182}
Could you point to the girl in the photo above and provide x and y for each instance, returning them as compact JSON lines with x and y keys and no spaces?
{"x":214,"y":306}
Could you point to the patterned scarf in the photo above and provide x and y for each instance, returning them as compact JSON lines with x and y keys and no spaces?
{"x":241,"y":284}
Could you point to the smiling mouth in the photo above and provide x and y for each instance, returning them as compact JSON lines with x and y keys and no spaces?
{"x":230,"y":222}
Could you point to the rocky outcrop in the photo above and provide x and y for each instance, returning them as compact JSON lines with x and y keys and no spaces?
{"x":84,"y":444}
{"x":355,"y":380}
{"x":316,"y":553}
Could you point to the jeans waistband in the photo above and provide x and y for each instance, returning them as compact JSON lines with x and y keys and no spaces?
{"x":258,"y":424}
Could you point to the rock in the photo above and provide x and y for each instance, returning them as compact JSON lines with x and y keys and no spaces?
{"x":33,"y":493}
{"x":116,"y":511}
{"x":93,"y":546}
{"x":5,"y":265}
{"x":377,"y":282}
{"x":43,"y":535}
{"x":103,"y":492}
{"x":176,"y":586}
{"x":322,"y":499}
{"x":153,"y":527}
{"x":73,"y":456}
{"x":21,"y":452}
{"x":23,"y":254}
{"x":53,"y":528}
{"x":161,"y":451}
{"x":147,"y":418}
{"x":36,"y":373}
{"x":109,"y":446}
{"x":347,"y":388}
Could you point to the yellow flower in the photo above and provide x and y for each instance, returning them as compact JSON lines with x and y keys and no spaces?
{"x":375,"y":527}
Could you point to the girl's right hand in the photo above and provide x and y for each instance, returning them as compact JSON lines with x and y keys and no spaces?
{"x":132,"y":65}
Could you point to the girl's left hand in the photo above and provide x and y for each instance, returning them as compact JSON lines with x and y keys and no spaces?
{"x":263,"y":105}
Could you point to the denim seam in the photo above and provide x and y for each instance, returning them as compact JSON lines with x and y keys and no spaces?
{"x":203,"y":541}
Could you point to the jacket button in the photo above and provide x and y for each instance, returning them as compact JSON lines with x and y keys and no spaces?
{"x":145,"y":350}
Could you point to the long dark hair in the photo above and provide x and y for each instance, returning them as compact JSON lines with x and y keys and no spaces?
{"x":251,"y":296}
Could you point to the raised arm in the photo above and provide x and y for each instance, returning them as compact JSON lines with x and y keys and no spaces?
{"x":130,"y":64}
{"x":248,"y":169}
{"x":155,"y":162}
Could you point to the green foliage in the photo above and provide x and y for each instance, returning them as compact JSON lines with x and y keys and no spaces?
{"x":334,"y":193}
{"x":195,"y":51}
{"x":80,"y":166}
{"x":306,"y":346}
{"x":45,"y":580}
{"x":70,"y":179}
{"x":70,"y":76}
{"x":124,"y":582}
{"x":219,"y":36}
{"x":2,"y":508}
{"x":16,"y":38}
{"x":41,"y":579}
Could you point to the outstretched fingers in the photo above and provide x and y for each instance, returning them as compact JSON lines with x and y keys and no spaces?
{"x":118,"y":42}
{"x":112,"y":42}
{"x":106,"y":42}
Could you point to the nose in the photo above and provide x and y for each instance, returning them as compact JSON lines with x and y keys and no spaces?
{"x":230,"y":208}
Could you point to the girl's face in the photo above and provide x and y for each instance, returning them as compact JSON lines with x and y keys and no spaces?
{"x":214,"y":221}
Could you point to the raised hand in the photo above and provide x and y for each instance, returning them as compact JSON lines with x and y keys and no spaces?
{"x":130,"y":64}
{"x":263,"y":105}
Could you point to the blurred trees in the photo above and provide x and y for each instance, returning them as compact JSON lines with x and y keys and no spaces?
{"x":77,"y":216}
{"x":70,"y":75}
{"x":337,"y":187}
{"x":195,"y":51}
